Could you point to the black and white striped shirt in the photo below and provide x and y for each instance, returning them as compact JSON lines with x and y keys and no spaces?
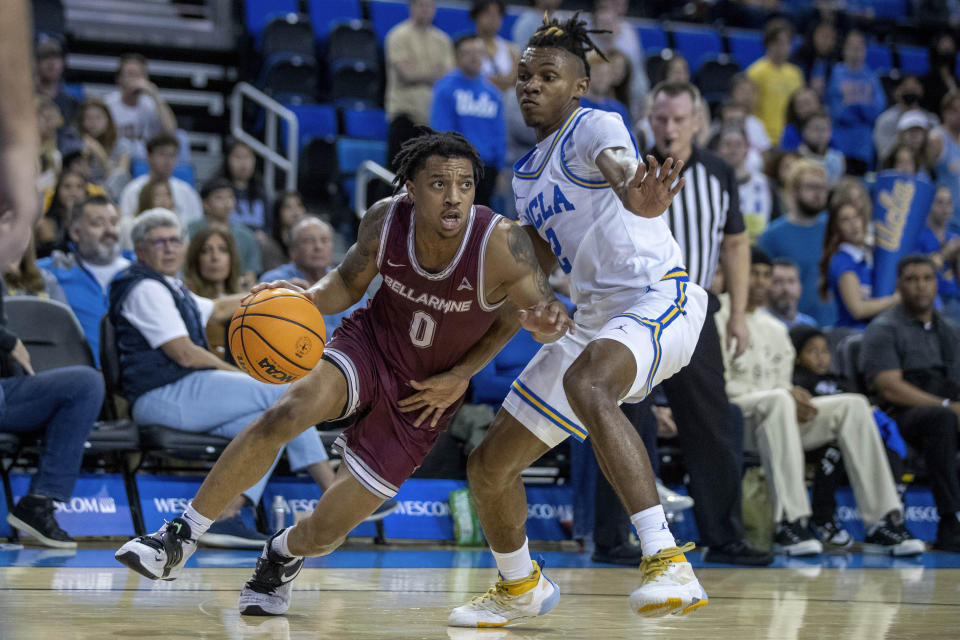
{"x":706,"y":210}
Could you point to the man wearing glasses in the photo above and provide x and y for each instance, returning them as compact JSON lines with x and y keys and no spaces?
{"x":168,"y":374}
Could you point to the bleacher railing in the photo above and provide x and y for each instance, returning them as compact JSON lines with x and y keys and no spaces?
{"x":367,"y":172}
{"x":274,"y":111}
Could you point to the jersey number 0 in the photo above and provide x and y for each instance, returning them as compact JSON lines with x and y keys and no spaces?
{"x":422,"y":329}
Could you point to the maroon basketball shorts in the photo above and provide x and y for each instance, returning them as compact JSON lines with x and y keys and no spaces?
{"x":381,"y":448}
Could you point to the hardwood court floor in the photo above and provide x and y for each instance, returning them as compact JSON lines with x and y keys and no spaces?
{"x":813,"y":600}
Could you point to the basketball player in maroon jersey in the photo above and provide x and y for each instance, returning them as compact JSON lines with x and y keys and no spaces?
{"x":458,"y":281}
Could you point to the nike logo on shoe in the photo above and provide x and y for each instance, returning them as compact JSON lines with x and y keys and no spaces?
{"x":290,"y":571}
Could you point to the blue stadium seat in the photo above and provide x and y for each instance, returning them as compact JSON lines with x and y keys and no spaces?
{"x":316,"y":121}
{"x":697,"y":45}
{"x":257,"y":13}
{"x":386,"y":15}
{"x":746,"y":47}
{"x":355,"y":83}
{"x":286,"y":73}
{"x":351,"y":152}
{"x":353,"y":41}
{"x":506,"y":29}
{"x":889,"y":9}
{"x":653,"y":39}
{"x":323,"y":13}
{"x":75,"y":90}
{"x":365,"y":123}
{"x":290,"y":33}
{"x":914,"y":60}
{"x":453,"y":21}
{"x":879,"y":57}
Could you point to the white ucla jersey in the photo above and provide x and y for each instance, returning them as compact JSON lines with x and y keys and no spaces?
{"x":611,"y":254}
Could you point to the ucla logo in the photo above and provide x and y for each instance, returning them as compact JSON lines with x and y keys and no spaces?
{"x":539,"y":210}
{"x":889,"y":231}
{"x":270,"y":369}
{"x":303,"y":347}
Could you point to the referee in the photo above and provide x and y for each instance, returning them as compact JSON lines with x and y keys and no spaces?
{"x":706,"y":221}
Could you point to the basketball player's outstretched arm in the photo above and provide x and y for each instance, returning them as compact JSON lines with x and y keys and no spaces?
{"x":343,"y":287}
{"x":642,"y":189}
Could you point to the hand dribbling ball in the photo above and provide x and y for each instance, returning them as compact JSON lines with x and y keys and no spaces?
{"x":277,"y":335}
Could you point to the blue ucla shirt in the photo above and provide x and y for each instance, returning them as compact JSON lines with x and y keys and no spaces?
{"x":472,"y":107}
{"x":850,"y":258}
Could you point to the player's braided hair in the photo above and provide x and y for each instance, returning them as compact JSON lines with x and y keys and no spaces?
{"x":413,"y":153}
{"x":571,"y":35}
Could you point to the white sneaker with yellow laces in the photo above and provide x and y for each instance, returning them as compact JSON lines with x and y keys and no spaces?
{"x":668,"y":585}
{"x":508,"y":600}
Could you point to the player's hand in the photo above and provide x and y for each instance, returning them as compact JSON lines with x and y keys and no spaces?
{"x":292,"y":285}
{"x":433,"y":396}
{"x":546,"y":322}
{"x":737,"y":330}
{"x":649,"y":193}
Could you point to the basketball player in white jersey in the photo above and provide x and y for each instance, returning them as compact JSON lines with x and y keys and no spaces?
{"x":591,"y":207}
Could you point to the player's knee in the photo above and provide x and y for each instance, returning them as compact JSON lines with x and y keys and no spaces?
{"x":585,"y":393}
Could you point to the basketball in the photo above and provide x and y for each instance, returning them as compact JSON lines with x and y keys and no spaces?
{"x":277,"y":335}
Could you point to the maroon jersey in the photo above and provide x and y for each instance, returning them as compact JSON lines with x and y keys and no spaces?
{"x":425,"y":322}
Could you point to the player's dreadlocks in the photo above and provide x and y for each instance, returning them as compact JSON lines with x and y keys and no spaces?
{"x":413,"y":153}
{"x":571,"y":35}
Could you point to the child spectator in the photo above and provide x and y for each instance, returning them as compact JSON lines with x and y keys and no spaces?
{"x":815,"y":145}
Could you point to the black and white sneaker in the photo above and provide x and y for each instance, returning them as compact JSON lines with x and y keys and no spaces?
{"x":34,"y":515}
{"x":831,"y":534}
{"x":891,"y":538}
{"x":267,"y":593}
{"x":386,"y":508}
{"x":794,"y":539}
{"x":160,"y":555}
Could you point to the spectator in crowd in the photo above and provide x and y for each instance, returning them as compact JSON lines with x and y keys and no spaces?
{"x":856,"y":98}
{"x":417,"y":55}
{"x":600,"y":92}
{"x":811,"y":371}
{"x":218,"y":204}
{"x":846,"y":265}
{"x":49,"y":57}
{"x":756,"y":195}
{"x":803,"y":103}
{"x":212,"y":270}
{"x":942,"y":246}
{"x":109,"y":157}
{"x":240,"y":168}
{"x":777,"y":167}
{"x":817,"y":55}
{"x":531,"y":19}
{"x":49,"y":121}
{"x":944,"y":152}
{"x":162,"y":151}
{"x":70,"y":189}
{"x":785,"y":290}
{"x":775,"y":78}
{"x":815,"y":145}
{"x":88,"y":262}
{"x":25,"y":278}
{"x":941,"y":79}
{"x":912,"y":132}
{"x":138,"y":111}
{"x":61,"y":404}
{"x":611,"y":15}
{"x":466,"y":102}
{"x":783,"y":420}
{"x":902,"y":158}
{"x":796,"y":234}
{"x":500,"y":62}
{"x":705,"y":229}
{"x":156,"y":195}
{"x":733,"y":115}
{"x":311,"y":257}
{"x":621,"y":84}
{"x":910,"y":359}
{"x":743,"y":93}
{"x":168,"y":374}
{"x":288,"y":210}
{"x":906,"y":97}
{"x":676,"y":69}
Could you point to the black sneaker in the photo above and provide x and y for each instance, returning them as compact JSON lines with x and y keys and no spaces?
{"x":890,"y":537}
{"x":625,"y":554}
{"x":160,"y":555}
{"x":34,"y":515}
{"x":948,"y":534}
{"x":794,"y":539}
{"x":267,"y":593}
{"x":738,"y":552}
{"x":832,"y":534}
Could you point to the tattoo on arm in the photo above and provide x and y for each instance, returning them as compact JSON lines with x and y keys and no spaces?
{"x":364,"y":251}
{"x":521,"y":248}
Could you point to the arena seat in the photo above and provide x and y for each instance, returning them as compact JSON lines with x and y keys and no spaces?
{"x":353,"y":41}
{"x":286,"y":73}
{"x":351,"y":152}
{"x":746,"y":47}
{"x":318,"y":169}
{"x":879,"y":57}
{"x":290,"y":34}
{"x":365,"y":123}
{"x":257,"y":13}
{"x":355,"y":83}
{"x":913,"y":60}
{"x":385,"y":16}
{"x":653,"y":39}
{"x":715,"y":78}
{"x":697,"y":45}
{"x":315,"y":120}
{"x":453,"y":21}
{"x":325,"y":13}
{"x":9,"y":447}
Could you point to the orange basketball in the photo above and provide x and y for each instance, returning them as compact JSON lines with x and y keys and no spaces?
{"x":277,"y":335}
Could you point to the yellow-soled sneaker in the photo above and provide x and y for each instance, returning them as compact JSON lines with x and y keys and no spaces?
{"x":668,"y":585}
{"x":508,"y":600}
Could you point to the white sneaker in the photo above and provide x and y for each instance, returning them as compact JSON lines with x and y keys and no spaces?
{"x":668,"y":585}
{"x":160,"y":555}
{"x":672,"y":501}
{"x":267,"y":593}
{"x":508,"y":600}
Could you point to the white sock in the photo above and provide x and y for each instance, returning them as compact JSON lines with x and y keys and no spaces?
{"x":516,"y":564}
{"x":279,"y":544}
{"x":198,"y":523}
{"x":651,"y":526}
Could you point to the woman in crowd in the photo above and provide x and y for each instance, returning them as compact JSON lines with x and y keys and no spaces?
{"x":109,"y":156}
{"x":815,"y":145}
{"x":804,"y":102}
{"x":211,"y":270}
{"x":846,"y":266}
{"x":25,"y":278}
{"x":155,"y":194}
{"x":288,"y":210}
{"x":904,"y":159}
{"x":240,"y":168}
{"x":757,"y":200}
{"x":500,"y":65}
{"x":70,"y":189}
